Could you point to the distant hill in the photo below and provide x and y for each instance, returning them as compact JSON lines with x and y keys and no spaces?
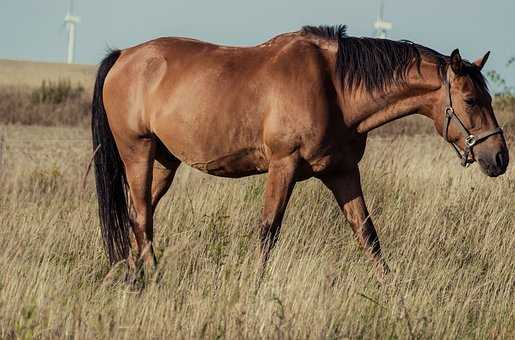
{"x":29,"y":73}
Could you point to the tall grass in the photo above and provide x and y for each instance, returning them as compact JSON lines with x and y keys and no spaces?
{"x":447,"y":233}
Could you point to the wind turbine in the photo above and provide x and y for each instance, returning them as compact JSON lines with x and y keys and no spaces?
{"x":71,"y":21}
{"x":382,"y":27}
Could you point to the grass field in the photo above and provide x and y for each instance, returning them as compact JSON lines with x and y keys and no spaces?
{"x":447,"y":233}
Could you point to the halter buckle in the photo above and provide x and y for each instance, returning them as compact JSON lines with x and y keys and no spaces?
{"x":470,"y":140}
{"x":449,"y":111}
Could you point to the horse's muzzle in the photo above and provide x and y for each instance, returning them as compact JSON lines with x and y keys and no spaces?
{"x":496,"y":164}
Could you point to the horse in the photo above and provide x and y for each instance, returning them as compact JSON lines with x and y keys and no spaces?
{"x":295,"y":107}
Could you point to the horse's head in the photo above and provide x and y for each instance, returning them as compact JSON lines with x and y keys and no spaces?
{"x":465,"y":118}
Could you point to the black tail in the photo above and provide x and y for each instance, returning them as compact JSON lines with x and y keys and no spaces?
{"x":109,"y":174}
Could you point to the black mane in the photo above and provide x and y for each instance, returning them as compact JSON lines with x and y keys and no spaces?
{"x":332,"y":32}
{"x":379,"y":63}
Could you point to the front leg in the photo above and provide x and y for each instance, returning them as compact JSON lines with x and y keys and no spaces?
{"x":279,"y":186}
{"x":346,"y":187}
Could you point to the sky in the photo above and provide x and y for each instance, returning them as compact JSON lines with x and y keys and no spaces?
{"x":34,"y":29}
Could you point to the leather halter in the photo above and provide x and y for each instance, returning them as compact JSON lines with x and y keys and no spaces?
{"x":469,"y":139}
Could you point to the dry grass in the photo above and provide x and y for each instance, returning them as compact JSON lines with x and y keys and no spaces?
{"x":20,"y":79}
{"x":25,"y":105}
{"x":446,"y":232}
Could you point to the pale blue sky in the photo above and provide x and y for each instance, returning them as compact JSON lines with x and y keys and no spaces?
{"x":33,"y":30}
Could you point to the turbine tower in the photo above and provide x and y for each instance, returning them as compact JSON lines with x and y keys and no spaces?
{"x":382,"y":27}
{"x":71,"y":21}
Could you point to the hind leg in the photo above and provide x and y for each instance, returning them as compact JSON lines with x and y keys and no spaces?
{"x":165,"y":166}
{"x":162,"y":178}
{"x":138,"y":159}
{"x":150,"y":169}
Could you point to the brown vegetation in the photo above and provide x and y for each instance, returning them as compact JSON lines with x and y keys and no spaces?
{"x":52,"y":103}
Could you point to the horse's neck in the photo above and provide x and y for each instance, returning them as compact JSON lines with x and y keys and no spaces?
{"x":394,"y":106}
{"x":368,"y":111}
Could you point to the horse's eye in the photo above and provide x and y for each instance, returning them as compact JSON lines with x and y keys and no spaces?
{"x":471,"y":102}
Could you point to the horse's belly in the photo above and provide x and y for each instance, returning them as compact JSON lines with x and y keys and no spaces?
{"x":241,"y":163}
{"x":213,"y":147}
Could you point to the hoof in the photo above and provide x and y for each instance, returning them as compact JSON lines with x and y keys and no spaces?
{"x":381,"y":272}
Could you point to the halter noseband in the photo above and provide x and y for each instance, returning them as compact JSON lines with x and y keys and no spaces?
{"x":469,"y":139}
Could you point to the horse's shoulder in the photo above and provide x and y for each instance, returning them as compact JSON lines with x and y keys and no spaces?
{"x":297,"y":54}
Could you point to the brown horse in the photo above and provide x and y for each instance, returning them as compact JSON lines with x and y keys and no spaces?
{"x":297,"y":106}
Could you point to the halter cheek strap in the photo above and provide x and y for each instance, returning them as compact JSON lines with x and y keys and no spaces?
{"x":469,"y":139}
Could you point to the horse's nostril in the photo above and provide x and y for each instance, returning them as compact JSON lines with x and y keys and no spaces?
{"x":501,"y":159}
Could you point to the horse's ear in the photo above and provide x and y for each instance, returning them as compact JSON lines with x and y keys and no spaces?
{"x":456,"y":62}
{"x":482,"y":61}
